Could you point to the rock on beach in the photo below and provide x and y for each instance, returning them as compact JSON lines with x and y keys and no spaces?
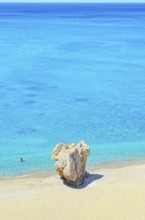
{"x":71,"y":161}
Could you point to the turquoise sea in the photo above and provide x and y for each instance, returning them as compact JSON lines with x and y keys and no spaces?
{"x":70,"y":72}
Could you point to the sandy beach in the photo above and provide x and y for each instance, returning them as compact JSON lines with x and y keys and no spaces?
{"x":107,"y":194}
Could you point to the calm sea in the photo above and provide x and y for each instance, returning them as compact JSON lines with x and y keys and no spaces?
{"x":70,"y":72}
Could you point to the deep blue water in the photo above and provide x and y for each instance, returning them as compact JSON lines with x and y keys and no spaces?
{"x":70,"y":72}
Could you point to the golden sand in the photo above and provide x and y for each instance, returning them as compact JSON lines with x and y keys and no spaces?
{"x":108,"y":194}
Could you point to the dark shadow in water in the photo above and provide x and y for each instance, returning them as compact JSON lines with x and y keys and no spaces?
{"x":41,"y":114}
{"x":2,"y":87}
{"x":31,"y":95}
{"x":29,"y":102}
{"x":6,"y":105}
{"x":34,"y":88}
{"x":38,"y":88}
{"x":81,"y":100}
{"x":88,"y":180}
{"x":31,"y":83}
{"x":11,"y":89}
{"x":27,"y":131}
{"x":52,"y":87}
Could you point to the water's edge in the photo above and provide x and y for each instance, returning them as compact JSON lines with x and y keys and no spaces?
{"x":106,"y":165}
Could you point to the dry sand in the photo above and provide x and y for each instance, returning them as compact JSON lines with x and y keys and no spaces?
{"x":108,"y":194}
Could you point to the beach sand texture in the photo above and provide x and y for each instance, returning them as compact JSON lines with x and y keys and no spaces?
{"x":108,"y":194}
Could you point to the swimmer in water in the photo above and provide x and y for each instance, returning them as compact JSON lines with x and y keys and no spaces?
{"x":21,"y":159}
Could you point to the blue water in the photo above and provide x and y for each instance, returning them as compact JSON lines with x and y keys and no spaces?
{"x":70,"y":72}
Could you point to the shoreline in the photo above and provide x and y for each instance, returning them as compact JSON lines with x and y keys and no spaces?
{"x":49,"y":173}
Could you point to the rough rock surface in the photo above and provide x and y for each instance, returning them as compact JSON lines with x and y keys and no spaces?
{"x":71,"y":160}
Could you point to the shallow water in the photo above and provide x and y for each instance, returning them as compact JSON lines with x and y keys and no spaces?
{"x":70,"y":72}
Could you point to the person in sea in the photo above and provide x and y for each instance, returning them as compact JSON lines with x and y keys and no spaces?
{"x":21,"y":159}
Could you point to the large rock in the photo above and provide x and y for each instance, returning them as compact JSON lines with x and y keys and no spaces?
{"x":71,"y":160}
